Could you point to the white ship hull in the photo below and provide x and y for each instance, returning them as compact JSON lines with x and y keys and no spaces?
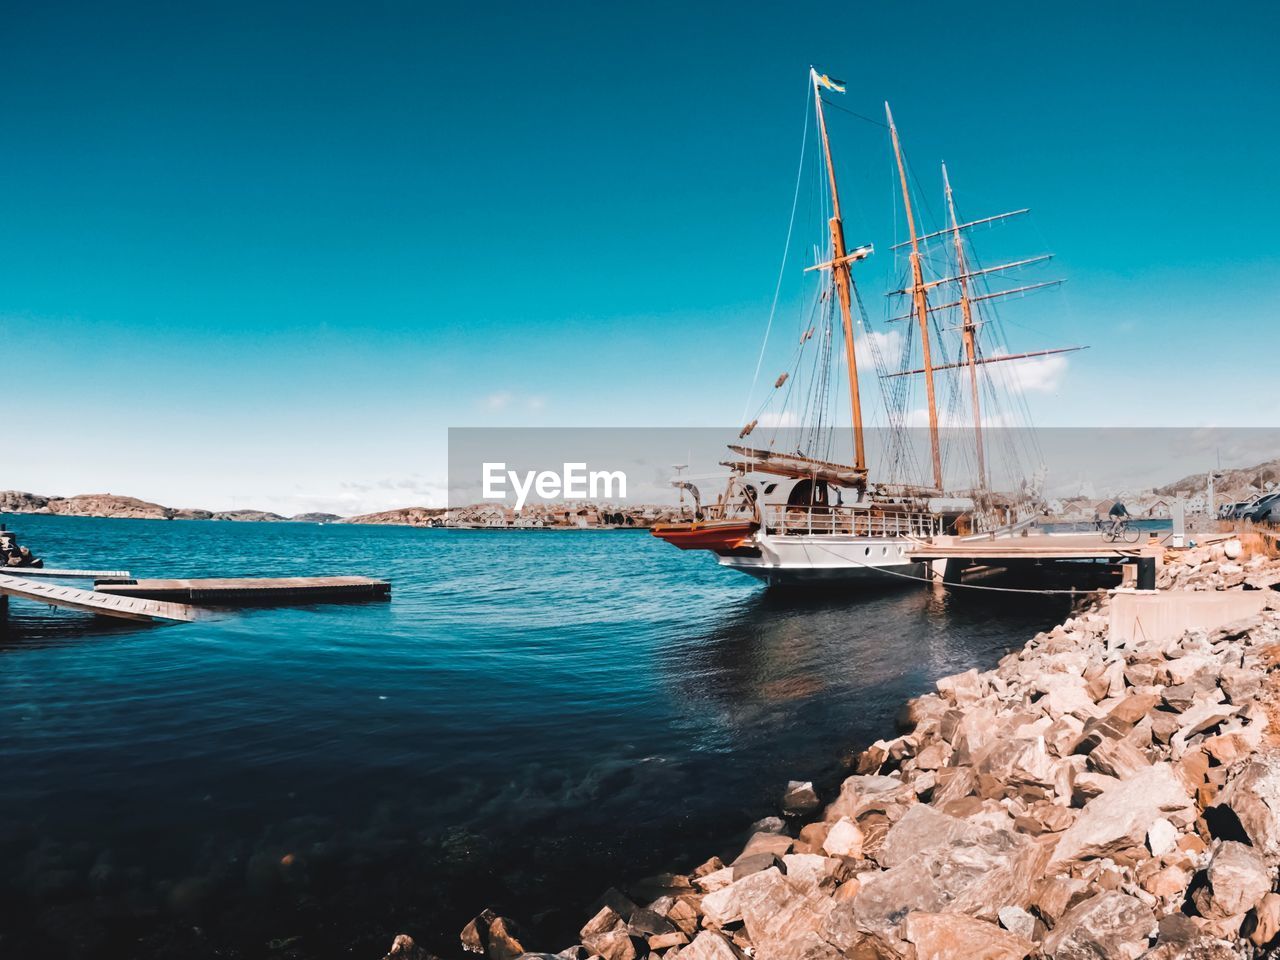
{"x":815,"y":559}
{"x":828,"y":559}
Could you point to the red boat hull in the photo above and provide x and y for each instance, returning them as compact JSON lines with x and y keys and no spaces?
{"x":717,"y":535}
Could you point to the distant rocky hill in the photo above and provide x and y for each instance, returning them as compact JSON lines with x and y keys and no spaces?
{"x":251,"y":516}
{"x":131,"y":508}
{"x":1256,"y":476}
{"x":404,"y":516}
{"x":15,"y":501}
{"x":84,"y":505}
{"x":487,"y":515}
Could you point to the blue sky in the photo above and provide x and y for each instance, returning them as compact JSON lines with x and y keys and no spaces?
{"x":267,"y":254}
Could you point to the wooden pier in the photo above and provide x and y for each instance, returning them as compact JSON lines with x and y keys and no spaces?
{"x":243,"y":590}
{"x":67,"y":574}
{"x":951,"y":559}
{"x":1041,"y":546}
{"x":124,"y":608}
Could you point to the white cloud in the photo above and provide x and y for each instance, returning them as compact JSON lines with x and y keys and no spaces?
{"x":505,"y":400}
{"x":885,"y":343}
{"x":1037,"y":374}
{"x":783,"y":418}
{"x":954,"y":419}
{"x":497,"y":401}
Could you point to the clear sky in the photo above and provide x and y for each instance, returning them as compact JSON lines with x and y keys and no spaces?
{"x":266,"y":254}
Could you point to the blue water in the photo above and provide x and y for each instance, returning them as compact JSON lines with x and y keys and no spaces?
{"x":533,"y":717}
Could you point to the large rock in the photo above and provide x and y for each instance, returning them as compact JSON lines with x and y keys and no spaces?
{"x":1204,"y":715}
{"x":1109,"y":926}
{"x":605,"y":919}
{"x":1120,"y":817}
{"x":1118,"y":758}
{"x":766,"y":842}
{"x":861,"y":794}
{"x":1193,"y":948}
{"x":1253,"y":795}
{"x":800,"y":797}
{"x":611,"y":945}
{"x":971,"y":730}
{"x":728,"y":905}
{"x":709,"y":945}
{"x":921,"y":828}
{"x":1266,"y":921}
{"x":844,"y":839}
{"x":1054,"y":896}
{"x":972,"y":877}
{"x":950,"y":936}
{"x":403,"y":948}
{"x":1067,"y":694}
{"x":1006,"y":766}
{"x":782,"y":920}
{"x":493,"y":936}
{"x":1238,"y":879}
{"x":645,"y":923}
{"x":1018,"y":921}
{"x":963,"y":689}
{"x":813,"y":874}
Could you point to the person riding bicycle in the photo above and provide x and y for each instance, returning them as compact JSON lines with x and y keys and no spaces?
{"x":1118,"y":515}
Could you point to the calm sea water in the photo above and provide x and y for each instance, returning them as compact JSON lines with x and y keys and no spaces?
{"x":533,"y":717}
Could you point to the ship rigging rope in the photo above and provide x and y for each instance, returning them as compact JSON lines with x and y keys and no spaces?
{"x":786,"y":250}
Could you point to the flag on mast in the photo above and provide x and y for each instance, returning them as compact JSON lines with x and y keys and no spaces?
{"x":824,"y":80}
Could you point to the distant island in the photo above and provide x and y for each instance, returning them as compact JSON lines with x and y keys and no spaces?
{"x":132,"y":508}
{"x":564,"y":516}
{"x":1239,"y":484}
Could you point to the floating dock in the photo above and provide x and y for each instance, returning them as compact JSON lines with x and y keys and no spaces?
{"x":121,"y":607}
{"x":242,"y":590}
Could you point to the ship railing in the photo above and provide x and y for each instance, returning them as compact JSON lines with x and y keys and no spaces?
{"x":859,"y":522}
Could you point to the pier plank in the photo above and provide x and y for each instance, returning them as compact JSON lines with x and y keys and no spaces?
{"x":75,"y":574}
{"x":125,"y":608}
{"x":1034,"y":547}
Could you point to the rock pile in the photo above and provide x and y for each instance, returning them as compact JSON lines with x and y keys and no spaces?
{"x":1080,"y":801}
{"x":1219,"y":566}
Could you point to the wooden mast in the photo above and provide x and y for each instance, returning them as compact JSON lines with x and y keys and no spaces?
{"x":840,"y":261}
{"x":921,"y":298}
{"x":967,"y":329}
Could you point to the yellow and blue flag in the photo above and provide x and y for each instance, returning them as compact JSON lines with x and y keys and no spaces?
{"x":836,"y":85}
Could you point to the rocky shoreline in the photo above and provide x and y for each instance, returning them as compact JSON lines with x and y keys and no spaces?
{"x":1085,"y":799}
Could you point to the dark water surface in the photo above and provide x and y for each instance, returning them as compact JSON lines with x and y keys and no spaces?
{"x":532,"y":717}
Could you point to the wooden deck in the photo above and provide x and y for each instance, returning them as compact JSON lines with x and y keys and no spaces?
{"x":1033,"y":547}
{"x":263,"y":590}
{"x":124,"y":608}
{"x":67,"y":574}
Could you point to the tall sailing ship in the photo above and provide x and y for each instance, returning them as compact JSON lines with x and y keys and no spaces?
{"x":789,"y":511}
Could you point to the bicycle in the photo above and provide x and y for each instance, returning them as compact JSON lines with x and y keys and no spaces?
{"x":1123,"y":529}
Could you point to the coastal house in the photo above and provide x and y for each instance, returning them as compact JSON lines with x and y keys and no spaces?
{"x":1077,"y":507}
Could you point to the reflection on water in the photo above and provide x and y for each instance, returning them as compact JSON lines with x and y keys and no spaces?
{"x":532,"y":717}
